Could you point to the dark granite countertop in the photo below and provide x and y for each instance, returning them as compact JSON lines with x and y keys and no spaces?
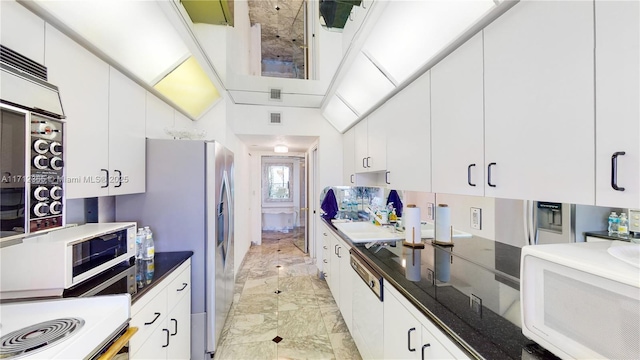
{"x":150,"y":274}
{"x":449,"y":277}
{"x":605,"y":235}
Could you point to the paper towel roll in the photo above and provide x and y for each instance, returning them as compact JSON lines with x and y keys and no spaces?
{"x":443,"y":223}
{"x":411,"y":222}
{"x":412,"y":269}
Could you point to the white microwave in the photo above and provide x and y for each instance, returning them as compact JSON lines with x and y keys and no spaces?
{"x":46,"y":265}
{"x":581,"y":302}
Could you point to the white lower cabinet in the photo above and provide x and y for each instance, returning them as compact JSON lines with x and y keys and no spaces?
{"x":402,"y":332}
{"x":338,"y":273}
{"x":410,"y":335}
{"x":163,"y":319}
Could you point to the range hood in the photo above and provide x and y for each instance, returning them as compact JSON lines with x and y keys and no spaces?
{"x":23,"y":84}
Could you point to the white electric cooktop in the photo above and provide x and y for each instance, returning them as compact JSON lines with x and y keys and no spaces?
{"x":74,"y":328}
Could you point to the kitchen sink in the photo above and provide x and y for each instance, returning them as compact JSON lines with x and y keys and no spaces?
{"x":364,"y":231}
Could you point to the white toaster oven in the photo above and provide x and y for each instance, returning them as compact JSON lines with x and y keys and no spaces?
{"x":45,"y":265}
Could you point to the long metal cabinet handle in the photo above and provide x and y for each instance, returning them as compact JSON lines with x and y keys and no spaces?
{"x":184,"y":286}
{"x":119,"y":178}
{"x":386,"y":177}
{"x":363,"y":165}
{"x":167,"y":344}
{"x":368,"y":161}
{"x":469,"y":174}
{"x":614,"y":170}
{"x":338,"y":253}
{"x":106,"y":177}
{"x":175,"y":326}
{"x":154,"y":319}
{"x":489,"y":174}
{"x":409,"y":339}
{"x":424,"y":347}
{"x":351,"y":178}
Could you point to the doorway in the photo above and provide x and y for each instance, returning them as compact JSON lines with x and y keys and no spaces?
{"x":284,"y":192}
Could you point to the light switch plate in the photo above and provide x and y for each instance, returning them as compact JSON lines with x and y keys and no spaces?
{"x":476,"y":218}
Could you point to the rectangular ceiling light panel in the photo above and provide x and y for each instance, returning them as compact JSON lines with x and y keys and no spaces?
{"x":136,"y":34}
{"x":364,"y":85}
{"x":339,"y":114}
{"x":410,"y":33}
{"x":189,"y":87}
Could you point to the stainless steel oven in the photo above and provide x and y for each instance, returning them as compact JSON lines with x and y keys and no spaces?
{"x":31,"y":149}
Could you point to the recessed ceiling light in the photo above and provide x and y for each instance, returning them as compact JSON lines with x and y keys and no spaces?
{"x":277,"y":8}
{"x":280,"y":149}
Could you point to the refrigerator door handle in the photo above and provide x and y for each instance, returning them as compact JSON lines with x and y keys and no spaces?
{"x":534,"y":222}
{"x":525,"y":219}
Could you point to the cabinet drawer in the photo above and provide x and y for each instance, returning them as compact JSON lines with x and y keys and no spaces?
{"x":148,"y":318}
{"x":180,"y":286}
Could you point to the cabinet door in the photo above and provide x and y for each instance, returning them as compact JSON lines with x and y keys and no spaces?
{"x":22,"y":31}
{"x":326,"y":253}
{"x":83,"y":81}
{"x":156,"y":345}
{"x":402,"y":332}
{"x":431,"y":348}
{"x":377,"y":128}
{"x":126,"y":135}
{"x":180,"y":330}
{"x":361,"y":143}
{"x":457,"y":121}
{"x":348,"y":158}
{"x":408,"y":138}
{"x":618,"y":102}
{"x":346,"y":285}
{"x":539,"y":101}
{"x":334,"y":264}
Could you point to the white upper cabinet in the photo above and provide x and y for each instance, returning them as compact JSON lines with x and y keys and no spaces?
{"x":361,"y":142}
{"x":21,"y":30}
{"x":539,"y":102}
{"x":378,"y":125}
{"x":348,"y":157}
{"x":126,"y":135}
{"x":105,"y":131}
{"x":408,"y":134}
{"x":83,"y":82}
{"x":457,"y":121}
{"x":618,"y":103}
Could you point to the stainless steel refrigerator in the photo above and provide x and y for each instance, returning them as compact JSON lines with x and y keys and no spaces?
{"x":188,"y":205}
{"x":521,"y":222}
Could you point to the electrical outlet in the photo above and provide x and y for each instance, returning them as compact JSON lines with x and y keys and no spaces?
{"x":430,"y":211}
{"x":476,"y":218}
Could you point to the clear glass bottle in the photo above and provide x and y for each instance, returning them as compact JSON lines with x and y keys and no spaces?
{"x":139,"y":243}
{"x":149,"y":247}
{"x":613,"y":223}
{"x":623,"y":225}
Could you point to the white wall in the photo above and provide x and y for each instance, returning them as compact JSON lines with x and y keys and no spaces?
{"x":239,"y":40}
{"x":213,"y":39}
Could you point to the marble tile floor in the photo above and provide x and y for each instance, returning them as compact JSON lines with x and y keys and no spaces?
{"x":281,"y":310}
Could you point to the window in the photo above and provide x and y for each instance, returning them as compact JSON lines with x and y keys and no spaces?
{"x":277,"y":182}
